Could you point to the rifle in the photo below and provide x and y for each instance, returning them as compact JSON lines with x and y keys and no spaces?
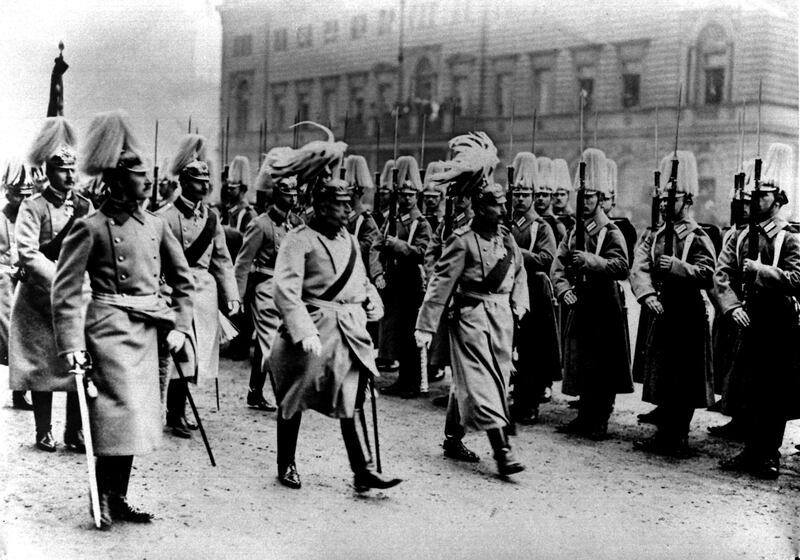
{"x":737,"y":201}
{"x":752,"y":222}
{"x":509,"y":199}
{"x":655,"y":217}
{"x":189,"y":129}
{"x":391,"y":228}
{"x":672,"y":189}
{"x":533,"y":133}
{"x":154,"y":194}
{"x":225,"y":145}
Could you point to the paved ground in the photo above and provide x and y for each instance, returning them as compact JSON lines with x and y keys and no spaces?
{"x":577,"y":499}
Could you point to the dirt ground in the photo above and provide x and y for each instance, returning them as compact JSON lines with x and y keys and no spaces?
{"x":577,"y":498}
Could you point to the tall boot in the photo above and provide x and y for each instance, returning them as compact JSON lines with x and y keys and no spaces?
{"x":506,"y":463}
{"x":42,"y":417}
{"x":258,"y":379}
{"x":176,"y":407}
{"x":20,"y":401}
{"x":364,"y":475}
{"x":73,"y":429}
{"x":288,"y":430}
{"x":121,"y":509}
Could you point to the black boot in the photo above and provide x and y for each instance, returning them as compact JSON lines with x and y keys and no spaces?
{"x":73,"y":440}
{"x":288,"y":476}
{"x":364,"y":475}
{"x":454,"y":448}
{"x":288,"y":430}
{"x":506,"y":463}
{"x":176,"y":409}
{"x":121,"y":510}
{"x":45,"y":441}
{"x":19,"y":401}
{"x":255,"y":399}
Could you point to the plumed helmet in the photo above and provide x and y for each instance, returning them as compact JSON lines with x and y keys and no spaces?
{"x":561,"y":179}
{"x":490,"y":193}
{"x":687,"y":173}
{"x":190,"y":160}
{"x":472,"y":166}
{"x":386,"y":176}
{"x":778,"y":170}
{"x":311,"y":162}
{"x":429,"y":185}
{"x":612,"y":175}
{"x":239,"y":172}
{"x":408,"y":178}
{"x":56,"y":144}
{"x":111,"y":145}
{"x":18,"y":178}
{"x":356,"y":172}
{"x":544,"y":174}
{"x":525,"y":172}
{"x":596,"y":179}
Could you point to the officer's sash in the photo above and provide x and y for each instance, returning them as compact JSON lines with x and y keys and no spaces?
{"x":498,"y":273}
{"x":337,"y":286}
{"x":52,"y":248}
{"x":197,"y":249}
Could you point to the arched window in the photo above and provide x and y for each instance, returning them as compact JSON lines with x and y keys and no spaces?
{"x":711,"y":62}
{"x":705,"y":203}
{"x":424,"y":80}
{"x":242,"y":99}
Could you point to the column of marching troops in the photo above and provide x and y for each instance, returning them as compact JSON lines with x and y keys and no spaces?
{"x":335,"y":268}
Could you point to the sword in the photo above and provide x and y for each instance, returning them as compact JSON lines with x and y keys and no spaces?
{"x":423,"y":369}
{"x":194,"y":410}
{"x":375,"y":423}
{"x":85,"y":386}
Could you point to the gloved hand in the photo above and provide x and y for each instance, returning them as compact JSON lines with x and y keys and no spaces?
{"x":175,"y":340}
{"x":312,"y":345}
{"x":654,"y":304}
{"x":77,"y":358}
{"x":380,"y":282}
{"x":234,"y":307}
{"x":423,"y":339}
{"x":740,"y":317}
{"x":578,"y":260}
{"x":570,"y":298}
{"x":664,"y":263}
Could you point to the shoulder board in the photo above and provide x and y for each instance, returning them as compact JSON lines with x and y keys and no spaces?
{"x":462,"y":230}
{"x":301,"y":227}
{"x":793,"y":228}
{"x":79,"y":196}
{"x":35,"y":196}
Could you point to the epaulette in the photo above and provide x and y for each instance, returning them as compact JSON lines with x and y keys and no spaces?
{"x":35,"y":196}
{"x":461,"y":230}
{"x":80,"y":196}
{"x":301,"y":227}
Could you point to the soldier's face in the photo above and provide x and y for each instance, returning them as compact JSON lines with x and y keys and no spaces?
{"x":607,"y":204}
{"x":14,"y":198}
{"x":590,"y":202}
{"x":431,"y":204}
{"x":335,"y":212}
{"x":285,"y":202}
{"x":542,"y":201}
{"x":522,"y":201}
{"x":560,"y":199}
{"x":406,"y":201}
{"x":462,"y":204}
{"x":60,"y":178}
{"x":384,"y":195}
{"x":135,"y":186}
{"x":492,"y":212}
{"x":766,"y":203}
{"x":195,"y":189}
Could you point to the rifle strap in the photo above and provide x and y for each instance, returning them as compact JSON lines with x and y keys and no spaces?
{"x":200,"y":245}
{"x":412,"y":231}
{"x":337,"y":286}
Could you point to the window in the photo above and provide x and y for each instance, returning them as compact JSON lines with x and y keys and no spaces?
{"x":715,"y":83}
{"x":385,"y":21}
{"x":542,"y":89}
{"x":242,"y":107}
{"x":586,"y":61}
{"x":304,"y":101}
{"x":358,"y":26}
{"x":586,"y":87}
{"x":304,"y":36}
{"x":461,"y":94}
{"x":630,"y":90}
{"x":504,"y":95}
{"x":279,"y":108}
{"x":424,"y":80}
{"x":331,"y":31}
{"x":385,"y":98}
{"x":712,"y":61}
{"x":280,"y":40}
{"x":329,"y":104}
{"x":243,"y":45}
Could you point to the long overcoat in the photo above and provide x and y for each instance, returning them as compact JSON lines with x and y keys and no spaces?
{"x":125,"y":255}
{"x":308,"y":264}
{"x":213,"y":271}
{"x":677,"y":368}
{"x":596,"y":355}
{"x":766,"y":365}
{"x":33,"y":361}
{"x":8,"y":260}
{"x":481,"y":325}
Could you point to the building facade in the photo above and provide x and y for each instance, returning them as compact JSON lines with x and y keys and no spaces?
{"x":457,"y":65}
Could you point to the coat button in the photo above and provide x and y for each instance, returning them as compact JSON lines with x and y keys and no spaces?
{"x":113,"y":223}
{"x":155,"y":257}
{"x":117,"y":240}
{"x":123,"y":276}
{"x":120,"y":258}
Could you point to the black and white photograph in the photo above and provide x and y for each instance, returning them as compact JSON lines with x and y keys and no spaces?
{"x":399,"y":279}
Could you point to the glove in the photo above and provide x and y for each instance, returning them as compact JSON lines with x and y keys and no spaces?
{"x":570,"y":298}
{"x":423,"y":338}
{"x":312,"y":345}
{"x":740,"y":317}
{"x":77,"y":358}
{"x":578,"y":260}
{"x":175,"y":340}
{"x":380,"y":282}
{"x":234,"y":307}
{"x":654,"y":304}
{"x":664,"y":263}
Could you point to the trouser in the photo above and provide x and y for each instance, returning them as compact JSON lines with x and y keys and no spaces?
{"x":409,"y":372}
{"x":358,"y":452}
{"x":452,"y":421}
{"x":596,"y":406}
{"x":674,"y":420}
{"x":113,"y":474}
{"x":259,"y":372}
{"x":176,"y":399}
{"x":764,"y":434}
{"x":43,"y":412}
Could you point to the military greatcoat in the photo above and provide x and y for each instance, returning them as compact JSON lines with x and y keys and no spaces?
{"x":125,"y":253}
{"x":308,"y":264}
{"x":8,"y":260}
{"x":677,"y":350}
{"x":33,"y":362}
{"x":596,"y":356}
{"x":363,"y":226}
{"x":481,"y":326}
{"x":766,"y":365}
{"x":255,"y":272}
{"x":213,"y":270}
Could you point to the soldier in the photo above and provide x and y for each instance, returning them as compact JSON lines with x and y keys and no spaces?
{"x":609,"y":202}
{"x":125,"y":251}
{"x":381,"y":210}
{"x":758,"y":294}
{"x":481,"y":268}
{"x":596,"y":357}
{"x":433,"y":197}
{"x":677,"y":352}
{"x":263,"y":184}
{"x":543,"y":194}
{"x":537,"y":365}
{"x":360,"y":222}
{"x":202,"y":238}
{"x":323,"y":355}
{"x":403,"y":247}
{"x":43,"y":222}
{"x":237,"y":213}
{"x":563,"y":188}
{"x":255,"y":271}
{"x":18,"y":185}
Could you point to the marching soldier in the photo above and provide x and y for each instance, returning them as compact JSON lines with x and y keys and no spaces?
{"x":609,"y":202}
{"x":323,"y":356}
{"x":543,"y":194}
{"x":403,"y":248}
{"x":381,"y":210}
{"x":677,"y":351}
{"x":360,"y":222}
{"x":18,"y":185}
{"x":433,"y":197}
{"x":202,"y":238}
{"x":255,"y":272}
{"x":263,"y":184}
{"x":125,"y":250}
{"x":596,"y":357}
{"x":43,"y":222}
{"x":758,"y":294}
{"x":537,"y":365}
{"x":481,"y":268}
{"x":563,"y":187}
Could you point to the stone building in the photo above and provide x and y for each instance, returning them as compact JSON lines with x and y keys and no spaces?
{"x":458,"y":65}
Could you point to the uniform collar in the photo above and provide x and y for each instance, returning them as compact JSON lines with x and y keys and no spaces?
{"x":120,"y":211}
{"x":597,"y":222}
{"x":277,"y":215}
{"x":410,"y":216}
{"x":772,"y":226}
{"x":55,"y":197}
{"x":526,"y":218}
{"x":684,"y":227}
{"x":189,"y":209}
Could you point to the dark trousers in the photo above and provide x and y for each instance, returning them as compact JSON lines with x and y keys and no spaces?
{"x":258,"y":374}
{"x":176,"y":399}
{"x":43,"y":412}
{"x":596,"y":407}
{"x":452,"y":421}
{"x":113,"y":474}
{"x":674,"y":420}
{"x":764,"y":434}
